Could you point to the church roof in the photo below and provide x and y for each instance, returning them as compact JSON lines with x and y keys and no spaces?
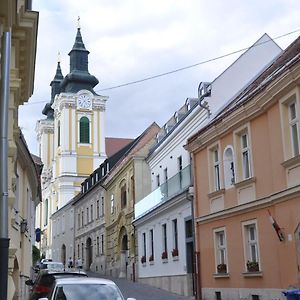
{"x":113,"y":145}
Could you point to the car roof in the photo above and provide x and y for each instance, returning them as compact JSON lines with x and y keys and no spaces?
{"x":84,"y":280}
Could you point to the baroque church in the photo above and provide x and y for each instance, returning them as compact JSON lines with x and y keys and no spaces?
{"x":71,"y":137}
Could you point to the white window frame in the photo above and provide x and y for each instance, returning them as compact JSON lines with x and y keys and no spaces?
{"x":294,"y":124}
{"x":112,"y":204}
{"x":245,"y":154}
{"x":175,"y":233}
{"x":220,"y":249}
{"x":250,"y":243}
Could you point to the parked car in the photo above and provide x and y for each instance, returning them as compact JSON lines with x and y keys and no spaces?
{"x":45,"y":279}
{"x":52,"y":265}
{"x":85,"y":288}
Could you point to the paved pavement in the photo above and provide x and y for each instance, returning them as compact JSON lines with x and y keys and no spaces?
{"x":141,"y":291}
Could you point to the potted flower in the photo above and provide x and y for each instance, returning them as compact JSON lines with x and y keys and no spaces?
{"x":175,"y":252}
{"x":164,"y":255}
{"x":222,"y":268}
{"x":143,"y":259}
{"x":151,"y":257}
{"x":252,"y":266}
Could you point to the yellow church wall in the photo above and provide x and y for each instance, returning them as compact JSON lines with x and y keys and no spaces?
{"x":84,"y":166}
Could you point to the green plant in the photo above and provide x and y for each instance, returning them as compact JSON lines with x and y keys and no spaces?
{"x":151,"y":258}
{"x":35,"y":255}
{"x":252,"y":266}
{"x":143,"y":259}
{"x":175,"y":252}
{"x":222,"y":268}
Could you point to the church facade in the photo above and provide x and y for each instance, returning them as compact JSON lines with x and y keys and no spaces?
{"x":71,"y":137}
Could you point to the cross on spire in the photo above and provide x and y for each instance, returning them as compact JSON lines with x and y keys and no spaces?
{"x":78,"y":22}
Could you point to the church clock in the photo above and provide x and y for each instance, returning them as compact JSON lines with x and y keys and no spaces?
{"x":84,"y":101}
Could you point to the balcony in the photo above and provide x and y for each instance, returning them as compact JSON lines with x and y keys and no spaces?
{"x":165,"y":192}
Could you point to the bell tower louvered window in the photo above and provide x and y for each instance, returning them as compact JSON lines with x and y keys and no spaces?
{"x":84,"y":130}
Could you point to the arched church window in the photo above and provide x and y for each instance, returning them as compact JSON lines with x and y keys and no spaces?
{"x":84,"y":128}
{"x":228,"y":167}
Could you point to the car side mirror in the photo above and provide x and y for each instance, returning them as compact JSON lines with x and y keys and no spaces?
{"x":29,"y":282}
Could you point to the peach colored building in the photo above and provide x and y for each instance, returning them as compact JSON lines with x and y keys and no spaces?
{"x":246,"y":178}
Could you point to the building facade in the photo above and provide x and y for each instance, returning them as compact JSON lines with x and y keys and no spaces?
{"x":72,"y":137}
{"x":247,"y":206}
{"x":18,"y":32}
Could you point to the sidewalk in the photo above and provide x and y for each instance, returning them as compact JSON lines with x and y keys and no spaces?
{"x":141,"y":291}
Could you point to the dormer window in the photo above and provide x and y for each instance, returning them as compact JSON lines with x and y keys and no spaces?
{"x":188,"y":104}
{"x":166,"y":128}
{"x":176,"y":117}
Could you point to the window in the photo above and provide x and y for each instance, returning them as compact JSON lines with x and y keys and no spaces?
{"x":228,"y":167}
{"x":78,"y":249}
{"x":251,"y":246}
{"x":98,"y":209}
{"x":243,"y":161}
{"x":92,"y":212}
{"x":175,"y":234}
{"x":179,"y":165}
{"x":220,"y":250}
{"x":123,"y":196}
{"x":112,"y":204}
{"x":294,"y":128}
{"x":144,"y":244}
{"x":151,"y":244}
{"x":58,"y":133}
{"x":164,"y":236}
{"x":82,"y":249}
{"x":46,"y":213}
{"x":245,"y":156}
{"x":98,"y":246}
{"x":102,"y":206}
{"x":84,"y":129}
{"x":87,"y":215}
{"x":102,"y":244}
{"x":82,"y":219}
{"x":78,"y":220}
{"x":157,"y":180}
{"x":215,"y":168}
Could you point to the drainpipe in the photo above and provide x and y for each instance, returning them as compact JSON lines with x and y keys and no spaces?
{"x":4,"y":101}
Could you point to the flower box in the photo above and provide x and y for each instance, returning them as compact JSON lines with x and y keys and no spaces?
{"x":143,"y":259}
{"x":252,"y":266}
{"x":164,"y":255}
{"x":151,"y":258}
{"x":222,"y":268}
{"x":175,"y":252}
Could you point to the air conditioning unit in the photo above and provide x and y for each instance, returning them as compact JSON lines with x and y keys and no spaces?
{"x":204,"y":89}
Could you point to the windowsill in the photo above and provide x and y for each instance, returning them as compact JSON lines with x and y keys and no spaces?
{"x":164,"y":260}
{"x":291,"y":162}
{"x":151,"y":262}
{"x":175,"y":258}
{"x":216,"y":193}
{"x":245,"y":182}
{"x":221,"y":275}
{"x":84,"y":144}
{"x":253,"y":274}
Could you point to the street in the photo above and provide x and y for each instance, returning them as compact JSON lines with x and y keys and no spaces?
{"x":141,"y":291}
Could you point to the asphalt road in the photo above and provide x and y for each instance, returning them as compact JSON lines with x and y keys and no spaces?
{"x":141,"y":291}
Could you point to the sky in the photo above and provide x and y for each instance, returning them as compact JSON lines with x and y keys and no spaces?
{"x":130,"y":40}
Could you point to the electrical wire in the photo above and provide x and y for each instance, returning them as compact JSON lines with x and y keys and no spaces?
{"x":186,"y":67}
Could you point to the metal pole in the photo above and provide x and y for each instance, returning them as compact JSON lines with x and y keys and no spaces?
{"x":4,"y":101}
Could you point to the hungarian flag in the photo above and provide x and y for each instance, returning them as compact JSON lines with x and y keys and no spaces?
{"x":278,"y":230}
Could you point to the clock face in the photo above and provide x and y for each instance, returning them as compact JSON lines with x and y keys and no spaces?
{"x":84,"y":101}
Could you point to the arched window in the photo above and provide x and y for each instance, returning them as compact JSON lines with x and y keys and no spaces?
{"x":84,"y":128}
{"x":228,"y":167}
{"x":58,"y":133}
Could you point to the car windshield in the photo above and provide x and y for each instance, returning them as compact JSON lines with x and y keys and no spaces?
{"x":52,"y":266}
{"x":84,"y":291}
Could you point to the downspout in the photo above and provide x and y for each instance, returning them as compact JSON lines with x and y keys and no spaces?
{"x":4,"y":102}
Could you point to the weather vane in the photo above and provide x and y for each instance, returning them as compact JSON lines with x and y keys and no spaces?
{"x":58,"y":57}
{"x":78,"y":22}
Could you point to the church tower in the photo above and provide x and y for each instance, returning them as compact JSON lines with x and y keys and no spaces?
{"x":71,"y":138}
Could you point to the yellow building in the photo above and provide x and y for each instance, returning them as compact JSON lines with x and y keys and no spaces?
{"x":128,"y":182}
{"x":71,"y":138}
{"x":18,"y":29}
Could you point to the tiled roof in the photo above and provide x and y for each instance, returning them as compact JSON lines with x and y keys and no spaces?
{"x":113,"y":145}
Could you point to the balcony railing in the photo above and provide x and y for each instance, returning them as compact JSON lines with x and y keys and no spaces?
{"x":165,"y":192}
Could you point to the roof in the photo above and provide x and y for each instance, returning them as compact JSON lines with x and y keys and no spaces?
{"x":113,"y":144}
{"x":286,"y":60}
{"x":84,"y":280}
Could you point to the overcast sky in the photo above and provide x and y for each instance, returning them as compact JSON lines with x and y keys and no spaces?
{"x":130,"y":40}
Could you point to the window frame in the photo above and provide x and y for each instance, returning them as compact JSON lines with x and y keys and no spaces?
{"x":221,"y":251}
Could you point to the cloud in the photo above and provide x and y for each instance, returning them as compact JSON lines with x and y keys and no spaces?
{"x":130,"y":40}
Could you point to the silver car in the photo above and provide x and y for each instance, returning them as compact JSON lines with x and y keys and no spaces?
{"x":85,"y":288}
